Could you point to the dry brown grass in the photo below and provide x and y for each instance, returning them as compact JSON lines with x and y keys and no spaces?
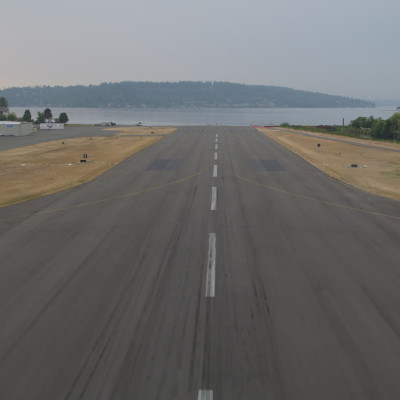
{"x":142,"y":130}
{"x":378,"y":171}
{"x":33,"y":171}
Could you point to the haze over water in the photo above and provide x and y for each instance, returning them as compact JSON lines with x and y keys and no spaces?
{"x":213,"y":116}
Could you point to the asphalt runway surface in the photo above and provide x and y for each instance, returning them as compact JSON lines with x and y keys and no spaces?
{"x":214,"y":264}
{"x":10,"y":142}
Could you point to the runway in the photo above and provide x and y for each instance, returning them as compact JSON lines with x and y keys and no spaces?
{"x":214,"y":264}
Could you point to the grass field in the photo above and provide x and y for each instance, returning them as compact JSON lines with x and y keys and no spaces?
{"x":377,"y":171}
{"x":37,"y":170}
{"x":141,"y":130}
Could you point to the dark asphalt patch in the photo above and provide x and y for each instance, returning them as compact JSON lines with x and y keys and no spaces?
{"x":164,"y":164}
{"x":266,"y":165}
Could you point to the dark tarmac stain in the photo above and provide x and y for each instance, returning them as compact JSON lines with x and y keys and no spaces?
{"x":164,"y":164}
{"x":266,"y":165}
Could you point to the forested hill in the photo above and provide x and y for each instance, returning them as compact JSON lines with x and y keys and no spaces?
{"x":173,"y":94}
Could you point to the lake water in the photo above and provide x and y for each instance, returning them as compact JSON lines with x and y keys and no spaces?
{"x":213,"y":116}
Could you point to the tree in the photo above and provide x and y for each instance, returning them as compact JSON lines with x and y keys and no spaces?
{"x":63,"y":118}
{"x":40,"y":118}
{"x":363,"y":122}
{"x":378,"y":129}
{"x":27,"y":116}
{"x":395,"y":126}
{"x":3,"y":106}
{"x":48,"y":116}
{"x":12,"y":116}
{"x":3,"y":102}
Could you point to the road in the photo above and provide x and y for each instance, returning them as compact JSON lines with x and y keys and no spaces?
{"x":214,"y":264}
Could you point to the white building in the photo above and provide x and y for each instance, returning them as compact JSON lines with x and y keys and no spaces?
{"x":51,"y":125}
{"x":13,"y":128}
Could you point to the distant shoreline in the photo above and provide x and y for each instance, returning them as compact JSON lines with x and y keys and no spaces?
{"x":194,"y":107}
{"x":186,"y":94}
{"x":211,"y":116}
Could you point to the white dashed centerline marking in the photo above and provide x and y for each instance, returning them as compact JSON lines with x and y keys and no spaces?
{"x":210,"y":281}
{"x":205,"y":395}
{"x":214,"y":199}
{"x":211,"y":260}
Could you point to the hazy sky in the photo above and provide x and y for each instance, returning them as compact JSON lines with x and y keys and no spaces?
{"x":345,"y":47}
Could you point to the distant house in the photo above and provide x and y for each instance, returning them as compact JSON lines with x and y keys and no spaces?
{"x":3,"y":110}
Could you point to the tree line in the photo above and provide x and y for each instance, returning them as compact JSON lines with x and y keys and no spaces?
{"x":361,"y":127}
{"x":42,"y":117}
{"x":377,"y":128}
{"x":46,"y":116}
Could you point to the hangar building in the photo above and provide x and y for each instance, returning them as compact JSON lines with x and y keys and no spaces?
{"x":13,"y":128}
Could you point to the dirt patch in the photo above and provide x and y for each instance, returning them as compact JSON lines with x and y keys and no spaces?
{"x":374,"y":170}
{"x":141,"y":130}
{"x":37,"y":170}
